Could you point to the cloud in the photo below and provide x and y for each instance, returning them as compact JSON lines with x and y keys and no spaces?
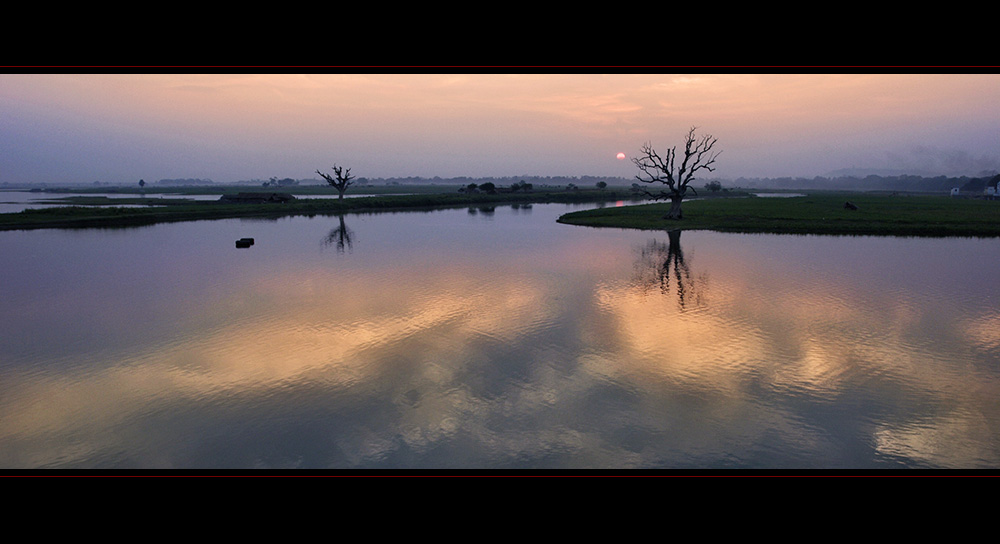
{"x":227,"y":127}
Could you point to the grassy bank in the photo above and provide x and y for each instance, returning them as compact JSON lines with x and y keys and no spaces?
{"x":815,"y":213}
{"x":181,"y":190}
{"x":82,"y":213}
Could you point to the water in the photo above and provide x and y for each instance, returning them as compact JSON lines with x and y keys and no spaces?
{"x":494,"y":338}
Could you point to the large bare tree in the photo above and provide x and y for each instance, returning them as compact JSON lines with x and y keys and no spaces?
{"x":341,"y":179}
{"x":676,"y":172}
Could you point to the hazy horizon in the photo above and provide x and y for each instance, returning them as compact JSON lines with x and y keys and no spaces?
{"x":118,"y":128}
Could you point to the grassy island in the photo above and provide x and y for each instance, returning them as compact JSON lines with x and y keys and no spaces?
{"x":82,"y":211}
{"x":814,"y":213}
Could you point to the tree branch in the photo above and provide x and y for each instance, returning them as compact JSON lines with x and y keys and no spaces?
{"x":698,"y":156}
{"x":341,"y":179}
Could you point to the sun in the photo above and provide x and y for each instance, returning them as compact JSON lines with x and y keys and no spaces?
{"x":621,"y":156}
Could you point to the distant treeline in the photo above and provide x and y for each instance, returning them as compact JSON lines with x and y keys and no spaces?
{"x":187,"y":181}
{"x":867,"y":183}
{"x":872,"y":183}
{"x":416,"y":180}
{"x":911,"y":183}
{"x":583,"y":181}
{"x":502,"y":181}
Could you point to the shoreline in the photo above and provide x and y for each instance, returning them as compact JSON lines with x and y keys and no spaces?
{"x":100,"y":213}
{"x":814,"y":213}
{"x":820,"y":213}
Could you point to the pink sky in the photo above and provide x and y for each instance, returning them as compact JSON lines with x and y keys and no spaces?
{"x":118,"y":128}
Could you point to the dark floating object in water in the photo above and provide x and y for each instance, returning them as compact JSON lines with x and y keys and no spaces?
{"x":244,"y":242}
{"x":850,"y":206}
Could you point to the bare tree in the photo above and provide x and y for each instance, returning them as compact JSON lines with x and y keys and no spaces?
{"x":341,"y":179}
{"x":698,"y":155}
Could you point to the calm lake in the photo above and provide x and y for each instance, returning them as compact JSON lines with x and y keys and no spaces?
{"x":494,"y":338}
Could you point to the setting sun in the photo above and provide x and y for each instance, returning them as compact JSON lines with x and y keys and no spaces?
{"x":621,"y":156}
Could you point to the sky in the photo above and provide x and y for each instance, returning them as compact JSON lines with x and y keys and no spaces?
{"x":227,"y":127}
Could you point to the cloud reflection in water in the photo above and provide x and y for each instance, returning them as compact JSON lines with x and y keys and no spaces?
{"x":444,"y":344}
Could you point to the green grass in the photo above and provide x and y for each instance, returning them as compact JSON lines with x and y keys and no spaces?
{"x":119,"y":201}
{"x":224,"y":189}
{"x":815,"y":213}
{"x":80,"y":214}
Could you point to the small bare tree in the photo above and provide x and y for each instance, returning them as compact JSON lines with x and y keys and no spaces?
{"x":698,"y":155}
{"x":341,"y":179}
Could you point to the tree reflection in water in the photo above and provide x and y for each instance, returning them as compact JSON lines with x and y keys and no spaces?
{"x":660,"y":264}
{"x":486,"y":211}
{"x":339,"y":237}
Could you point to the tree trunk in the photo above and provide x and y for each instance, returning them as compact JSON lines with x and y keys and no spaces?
{"x":675,"y":208}
{"x":341,"y":195}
